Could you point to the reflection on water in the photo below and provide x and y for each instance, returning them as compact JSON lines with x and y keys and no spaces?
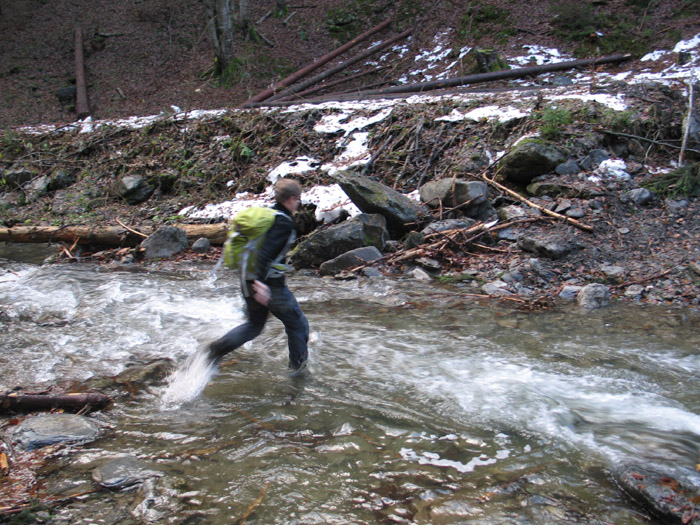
{"x":419,"y":408}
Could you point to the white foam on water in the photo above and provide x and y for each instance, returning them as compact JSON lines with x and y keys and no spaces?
{"x":188,"y":381}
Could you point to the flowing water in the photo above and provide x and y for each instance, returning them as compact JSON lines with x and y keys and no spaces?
{"x":421,"y":404}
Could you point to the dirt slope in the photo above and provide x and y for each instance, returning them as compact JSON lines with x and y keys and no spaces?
{"x":144,"y":56}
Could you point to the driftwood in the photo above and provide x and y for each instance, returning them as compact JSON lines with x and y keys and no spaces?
{"x":111,"y":236}
{"x":516,"y":195}
{"x":19,"y":402}
{"x":82,"y":108}
{"x":340,"y":67}
{"x":263,"y":95}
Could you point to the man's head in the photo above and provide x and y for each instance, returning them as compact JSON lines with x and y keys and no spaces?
{"x":288,"y":194}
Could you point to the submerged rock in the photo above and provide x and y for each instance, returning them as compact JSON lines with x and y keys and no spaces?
{"x":51,"y":429}
{"x":123,"y":472}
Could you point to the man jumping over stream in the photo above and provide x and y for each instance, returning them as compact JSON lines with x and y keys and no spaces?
{"x":265,"y":290}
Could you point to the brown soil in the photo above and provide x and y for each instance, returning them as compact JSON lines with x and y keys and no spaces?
{"x":141,"y":57}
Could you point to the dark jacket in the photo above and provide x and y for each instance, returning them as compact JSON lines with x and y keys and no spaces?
{"x":278,"y":239}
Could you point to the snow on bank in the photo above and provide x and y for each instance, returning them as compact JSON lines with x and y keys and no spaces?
{"x":435,"y":63}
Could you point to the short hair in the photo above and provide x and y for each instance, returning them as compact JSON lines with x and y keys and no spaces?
{"x":286,"y":188}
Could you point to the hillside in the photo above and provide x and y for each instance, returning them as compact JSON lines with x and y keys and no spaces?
{"x":142,"y":57}
{"x":146,"y":57}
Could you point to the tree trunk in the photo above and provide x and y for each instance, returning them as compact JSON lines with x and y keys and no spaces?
{"x":224,"y":17}
{"x":108,"y":236}
{"x":18,"y":402}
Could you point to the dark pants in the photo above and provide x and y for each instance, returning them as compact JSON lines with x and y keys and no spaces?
{"x":282,"y":305}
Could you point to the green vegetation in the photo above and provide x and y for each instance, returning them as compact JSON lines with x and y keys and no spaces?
{"x":552,"y":120}
{"x":683,"y":182}
{"x":480,"y":20}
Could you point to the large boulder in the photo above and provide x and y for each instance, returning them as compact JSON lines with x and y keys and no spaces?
{"x":449,"y":192}
{"x":165,"y":242}
{"x":51,"y":429}
{"x":594,"y":295}
{"x":530,"y":159}
{"x":328,"y":243}
{"x":373,"y":197}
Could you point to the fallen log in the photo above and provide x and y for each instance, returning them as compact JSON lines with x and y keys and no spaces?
{"x":82,"y":108}
{"x":109,"y":236}
{"x":332,"y":71}
{"x":19,"y":402}
{"x":267,"y":93}
{"x":492,"y":76}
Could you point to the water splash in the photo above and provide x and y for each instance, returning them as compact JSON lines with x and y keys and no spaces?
{"x":188,"y":381}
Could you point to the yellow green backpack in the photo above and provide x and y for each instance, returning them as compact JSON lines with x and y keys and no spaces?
{"x":246,"y":233}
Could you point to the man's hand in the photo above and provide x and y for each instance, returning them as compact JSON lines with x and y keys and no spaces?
{"x":261,"y":293}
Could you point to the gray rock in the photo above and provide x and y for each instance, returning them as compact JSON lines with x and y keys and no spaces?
{"x":38,"y":187}
{"x":507,"y":234}
{"x":328,"y":243}
{"x":570,"y":167}
{"x":420,"y":274}
{"x":594,"y":295}
{"x":448,"y":224}
{"x":594,"y":158}
{"x":540,"y":269}
{"x":530,"y":159}
{"x":634,"y":291}
{"x":496,"y":288}
{"x":15,"y":178}
{"x":134,"y":189}
{"x":428,"y":263}
{"x":561,"y":80}
{"x":123,"y":472}
{"x":371,"y":272}
{"x":60,"y":180}
{"x":575,"y":213}
{"x":373,"y":197}
{"x":349,"y":259}
{"x":201,"y":245}
{"x":165,"y":242}
{"x":569,"y":292}
{"x":611,"y":270}
{"x":51,"y":429}
{"x":549,"y":247}
{"x":450,"y":193}
{"x":638,"y":196}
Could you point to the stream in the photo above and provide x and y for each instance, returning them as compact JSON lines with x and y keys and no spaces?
{"x":422,"y":404}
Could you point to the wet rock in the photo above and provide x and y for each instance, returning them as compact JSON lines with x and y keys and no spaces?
{"x":42,"y":431}
{"x":134,"y":189}
{"x":428,"y":263}
{"x":667,"y":498}
{"x":371,"y":272}
{"x":145,"y":374}
{"x":593,"y":296}
{"x":373,"y":197}
{"x":420,"y":275}
{"x":123,"y":472}
{"x":328,"y":243}
{"x":201,"y":245}
{"x":165,"y":242}
{"x":496,"y":288}
{"x":530,"y":159}
{"x":349,"y":259}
